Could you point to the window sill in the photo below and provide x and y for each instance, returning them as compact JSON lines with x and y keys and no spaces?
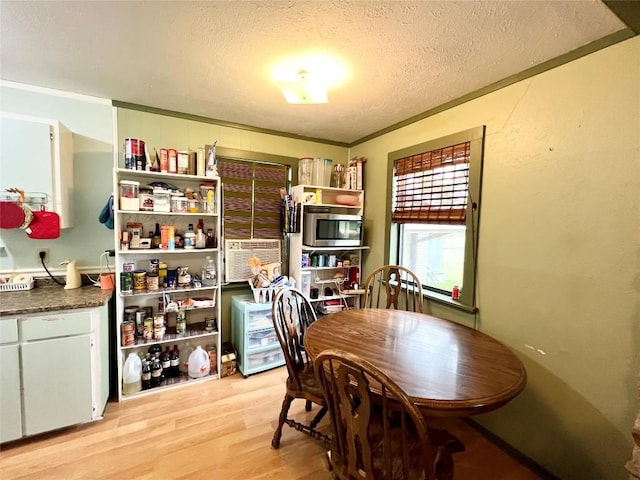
{"x":449,"y":302}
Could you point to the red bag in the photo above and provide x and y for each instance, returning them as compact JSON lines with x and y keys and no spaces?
{"x":44,"y":226}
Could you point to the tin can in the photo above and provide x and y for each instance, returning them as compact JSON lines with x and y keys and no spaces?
{"x":139,"y":280}
{"x":154,"y":265}
{"x":140,"y":316}
{"x":181,"y":322}
{"x":210,"y":324}
{"x":162,"y":272}
{"x":130,"y":313}
{"x":127,"y":330}
{"x":147,"y":333}
{"x":152,"y":282}
{"x":134,"y":154}
{"x":126,"y":282}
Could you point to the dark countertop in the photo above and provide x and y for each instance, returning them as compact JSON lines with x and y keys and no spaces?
{"x":51,"y":298}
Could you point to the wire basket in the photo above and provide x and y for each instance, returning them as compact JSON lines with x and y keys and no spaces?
{"x":264,"y":295}
{"x":9,"y":286}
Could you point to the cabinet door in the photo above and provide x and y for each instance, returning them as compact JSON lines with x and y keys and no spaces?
{"x":10,"y":408}
{"x":56,"y":377}
{"x":33,"y":144}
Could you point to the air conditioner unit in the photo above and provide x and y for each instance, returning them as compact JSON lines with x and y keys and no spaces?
{"x":238,"y":252}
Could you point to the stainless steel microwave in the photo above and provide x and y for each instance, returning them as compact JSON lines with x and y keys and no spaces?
{"x":332,"y":230}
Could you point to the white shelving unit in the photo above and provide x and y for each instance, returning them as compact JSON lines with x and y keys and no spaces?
{"x":196,"y":334}
{"x":325,"y":277}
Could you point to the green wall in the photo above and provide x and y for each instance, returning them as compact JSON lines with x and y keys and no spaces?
{"x":559,"y":237}
{"x":558,"y":252}
{"x":161,"y":131}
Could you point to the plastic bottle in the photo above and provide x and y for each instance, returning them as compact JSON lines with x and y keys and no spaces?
{"x":199,"y":365}
{"x":189,"y":238}
{"x":209,"y":273}
{"x":185,"y":352}
{"x":132,"y":374}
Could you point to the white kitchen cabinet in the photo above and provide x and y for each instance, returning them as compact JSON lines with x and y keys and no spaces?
{"x":10,"y":402}
{"x":57,"y":380}
{"x":54,"y":370}
{"x":199,"y":304}
{"x":338,"y":279}
{"x":43,"y":148}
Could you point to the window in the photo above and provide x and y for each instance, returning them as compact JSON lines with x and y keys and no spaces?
{"x":251,"y":189}
{"x":434,"y":214}
{"x":251,"y":198}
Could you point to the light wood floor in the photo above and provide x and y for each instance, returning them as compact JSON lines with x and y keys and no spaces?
{"x":212,"y":430}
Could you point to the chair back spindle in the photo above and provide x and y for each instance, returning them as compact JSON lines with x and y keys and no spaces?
{"x":394,"y":286}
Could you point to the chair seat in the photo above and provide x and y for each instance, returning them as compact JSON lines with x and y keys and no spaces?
{"x":310,"y":388}
{"x":444,"y":443}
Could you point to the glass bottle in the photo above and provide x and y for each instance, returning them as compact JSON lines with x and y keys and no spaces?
{"x":211,"y":239}
{"x":146,"y":373}
{"x":156,"y":371}
{"x":165,"y":361}
{"x":155,"y":242}
{"x":174,"y":361}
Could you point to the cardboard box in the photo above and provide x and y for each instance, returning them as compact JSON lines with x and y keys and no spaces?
{"x":228,"y":367}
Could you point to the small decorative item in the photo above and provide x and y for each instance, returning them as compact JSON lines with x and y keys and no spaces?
{"x":212,"y":169}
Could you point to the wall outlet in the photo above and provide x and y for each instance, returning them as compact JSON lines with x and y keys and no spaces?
{"x":46,"y":255}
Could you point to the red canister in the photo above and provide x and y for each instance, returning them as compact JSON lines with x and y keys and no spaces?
{"x":134,"y":154}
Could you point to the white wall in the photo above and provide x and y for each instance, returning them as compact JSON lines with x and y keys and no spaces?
{"x":91,"y":122}
{"x":558,"y":275}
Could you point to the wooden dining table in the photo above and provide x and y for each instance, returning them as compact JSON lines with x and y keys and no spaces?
{"x":447,"y":369}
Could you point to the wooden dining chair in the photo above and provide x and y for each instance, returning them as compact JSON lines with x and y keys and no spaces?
{"x":292,"y":315}
{"x":377,"y":432}
{"x":393,"y":286}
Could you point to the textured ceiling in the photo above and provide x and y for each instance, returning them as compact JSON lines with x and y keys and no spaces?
{"x":213,"y":58}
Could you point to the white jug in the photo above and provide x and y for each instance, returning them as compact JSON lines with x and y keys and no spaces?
{"x":199,"y":363}
{"x":131,"y":374}
{"x":185,"y":353}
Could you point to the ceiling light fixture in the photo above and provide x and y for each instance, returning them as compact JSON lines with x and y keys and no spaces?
{"x":306,"y":89}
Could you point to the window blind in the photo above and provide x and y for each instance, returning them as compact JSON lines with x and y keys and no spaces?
{"x":432,"y":187}
{"x":251,"y":198}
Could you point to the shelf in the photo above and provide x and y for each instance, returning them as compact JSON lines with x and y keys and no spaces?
{"x":172,"y":382}
{"x":332,"y":205}
{"x":160,"y":291}
{"x":306,"y":248}
{"x":193,"y":331}
{"x":177,"y":214}
{"x":164,"y":176}
{"x":155,"y":251}
{"x":152,"y":301}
